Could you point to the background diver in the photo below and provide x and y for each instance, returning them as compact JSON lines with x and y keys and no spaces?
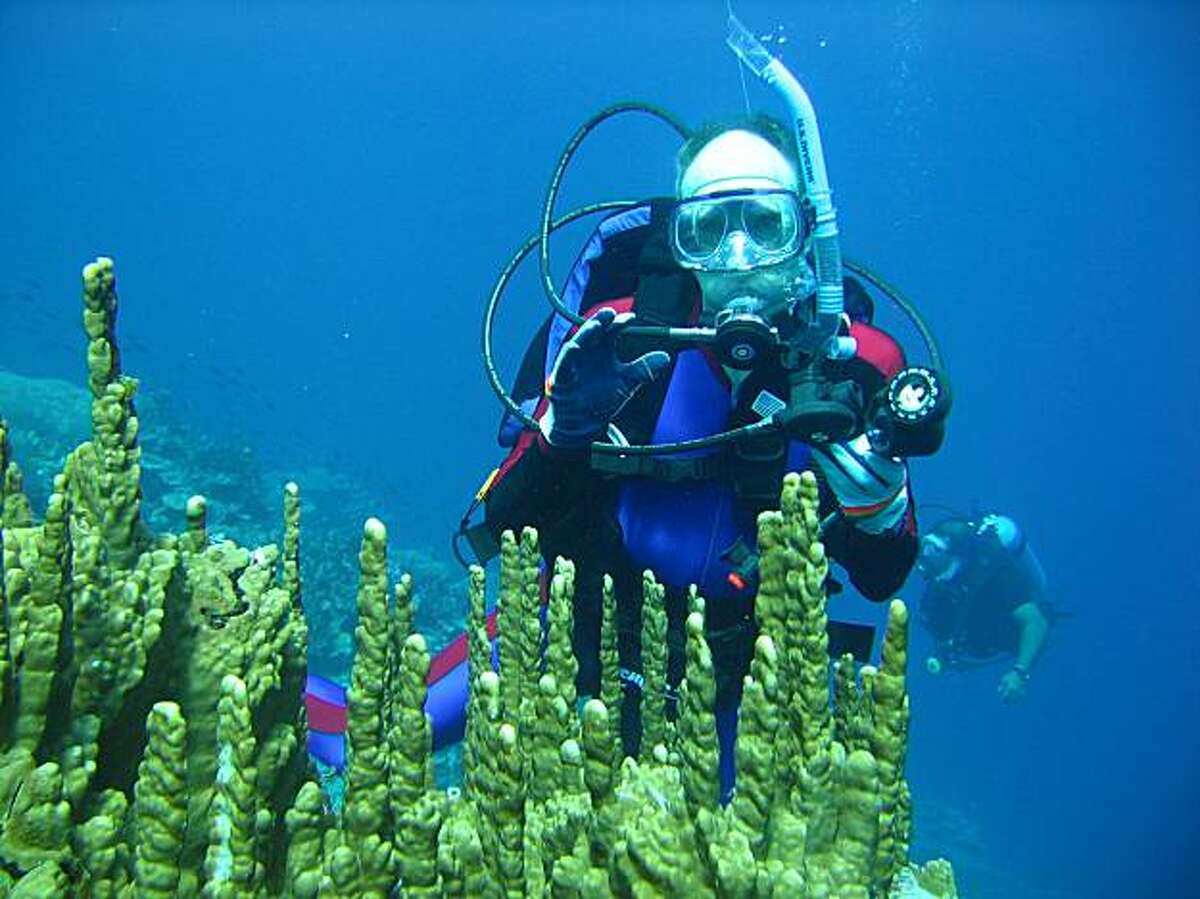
{"x":984,"y":598}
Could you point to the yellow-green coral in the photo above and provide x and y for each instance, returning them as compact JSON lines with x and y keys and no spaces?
{"x":152,"y":731}
{"x":160,"y":803}
{"x":104,"y":621}
{"x":610,"y":681}
{"x":697,"y":726}
{"x":654,"y":664}
{"x":101,"y":847}
{"x":366,"y":781}
{"x":291,"y":541}
{"x":14,"y":506}
{"x":231,"y":865}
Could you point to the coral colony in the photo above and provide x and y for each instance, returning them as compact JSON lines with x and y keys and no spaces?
{"x":153,"y":727}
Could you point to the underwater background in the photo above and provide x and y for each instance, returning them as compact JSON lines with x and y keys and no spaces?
{"x":308,"y":204}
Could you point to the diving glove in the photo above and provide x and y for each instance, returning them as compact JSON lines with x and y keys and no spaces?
{"x":589,"y":385}
{"x":869,"y":486}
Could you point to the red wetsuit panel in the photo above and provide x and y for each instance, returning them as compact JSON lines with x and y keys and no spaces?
{"x":325,"y":717}
{"x":878,"y":348}
{"x":454,"y":653}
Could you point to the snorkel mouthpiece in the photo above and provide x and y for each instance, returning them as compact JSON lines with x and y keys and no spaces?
{"x":826,"y":249}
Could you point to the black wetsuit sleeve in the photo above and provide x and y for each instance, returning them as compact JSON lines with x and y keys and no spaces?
{"x":556,"y":492}
{"x":878,"y":564}
{"x":539,"y":488}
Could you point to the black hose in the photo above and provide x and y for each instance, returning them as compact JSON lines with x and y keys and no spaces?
{"x":903,"y":304}
{"x":506,"y":274}
{"x":556,"y":181}
{"x":542,"y":240}
{"x":682,"y":446}
{"x":528,"y":421}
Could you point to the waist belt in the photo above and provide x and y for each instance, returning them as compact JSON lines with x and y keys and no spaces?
{"x":660,"y":468}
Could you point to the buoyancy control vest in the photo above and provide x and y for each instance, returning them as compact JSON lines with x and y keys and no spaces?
{"x":690,"y":516}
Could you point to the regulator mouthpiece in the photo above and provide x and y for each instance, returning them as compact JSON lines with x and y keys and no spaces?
{"x":744,"y":336}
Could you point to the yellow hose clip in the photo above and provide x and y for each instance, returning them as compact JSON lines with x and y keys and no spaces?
{"x":483,"y":491}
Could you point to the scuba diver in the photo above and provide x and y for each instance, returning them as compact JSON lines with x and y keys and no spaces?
{"x":984,"y":598}
{"x":704,"y":345}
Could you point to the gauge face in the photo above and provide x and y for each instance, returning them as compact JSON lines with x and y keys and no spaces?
{"x":913,"y":394}
{"x":742,"y":339}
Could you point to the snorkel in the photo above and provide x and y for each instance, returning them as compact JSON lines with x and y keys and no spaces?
{"x":827,"y":254}
{"x":818,"y":410}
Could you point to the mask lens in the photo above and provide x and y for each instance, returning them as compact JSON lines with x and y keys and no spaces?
{"x":934,"y":559}
{"x":770,"y":222}
{"x":699,"y":229}
{"x":736,"y":232}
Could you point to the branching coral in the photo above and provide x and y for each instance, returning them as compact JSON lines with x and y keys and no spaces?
{"x":117,"y":646}
{"x":151,"y":732}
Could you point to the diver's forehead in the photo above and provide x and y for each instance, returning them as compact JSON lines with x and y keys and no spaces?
{"x":736,"y":160}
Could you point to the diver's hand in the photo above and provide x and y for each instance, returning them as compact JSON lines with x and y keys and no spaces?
{"x":589,"y":384}
{"x":1012,"y":686}
{"x":869,"y":486}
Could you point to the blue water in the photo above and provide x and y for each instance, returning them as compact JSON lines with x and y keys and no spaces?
{"x":308,"y":202}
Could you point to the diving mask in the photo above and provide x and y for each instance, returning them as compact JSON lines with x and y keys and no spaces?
{"x":936,"y":562}
{"x":737,"y":230}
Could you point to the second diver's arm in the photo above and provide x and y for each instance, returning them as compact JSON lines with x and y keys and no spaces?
{"x":1033,"y":629}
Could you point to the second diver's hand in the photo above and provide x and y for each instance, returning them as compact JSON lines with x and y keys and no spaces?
{"x":1012,"y":684}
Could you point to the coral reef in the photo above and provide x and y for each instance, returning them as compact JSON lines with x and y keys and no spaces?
{"x":117,"y":644}
{"x":152,"y":729}
{"x":50,"y":417}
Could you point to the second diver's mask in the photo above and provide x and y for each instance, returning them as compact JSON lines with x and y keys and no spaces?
{"x":737,"y":230}
{"x":936,"y":561}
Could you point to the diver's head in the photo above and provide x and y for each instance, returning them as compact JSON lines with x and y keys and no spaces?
{"x":756,"y":154}
{"x":739,"y":223}
{"x":937,"y":560}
